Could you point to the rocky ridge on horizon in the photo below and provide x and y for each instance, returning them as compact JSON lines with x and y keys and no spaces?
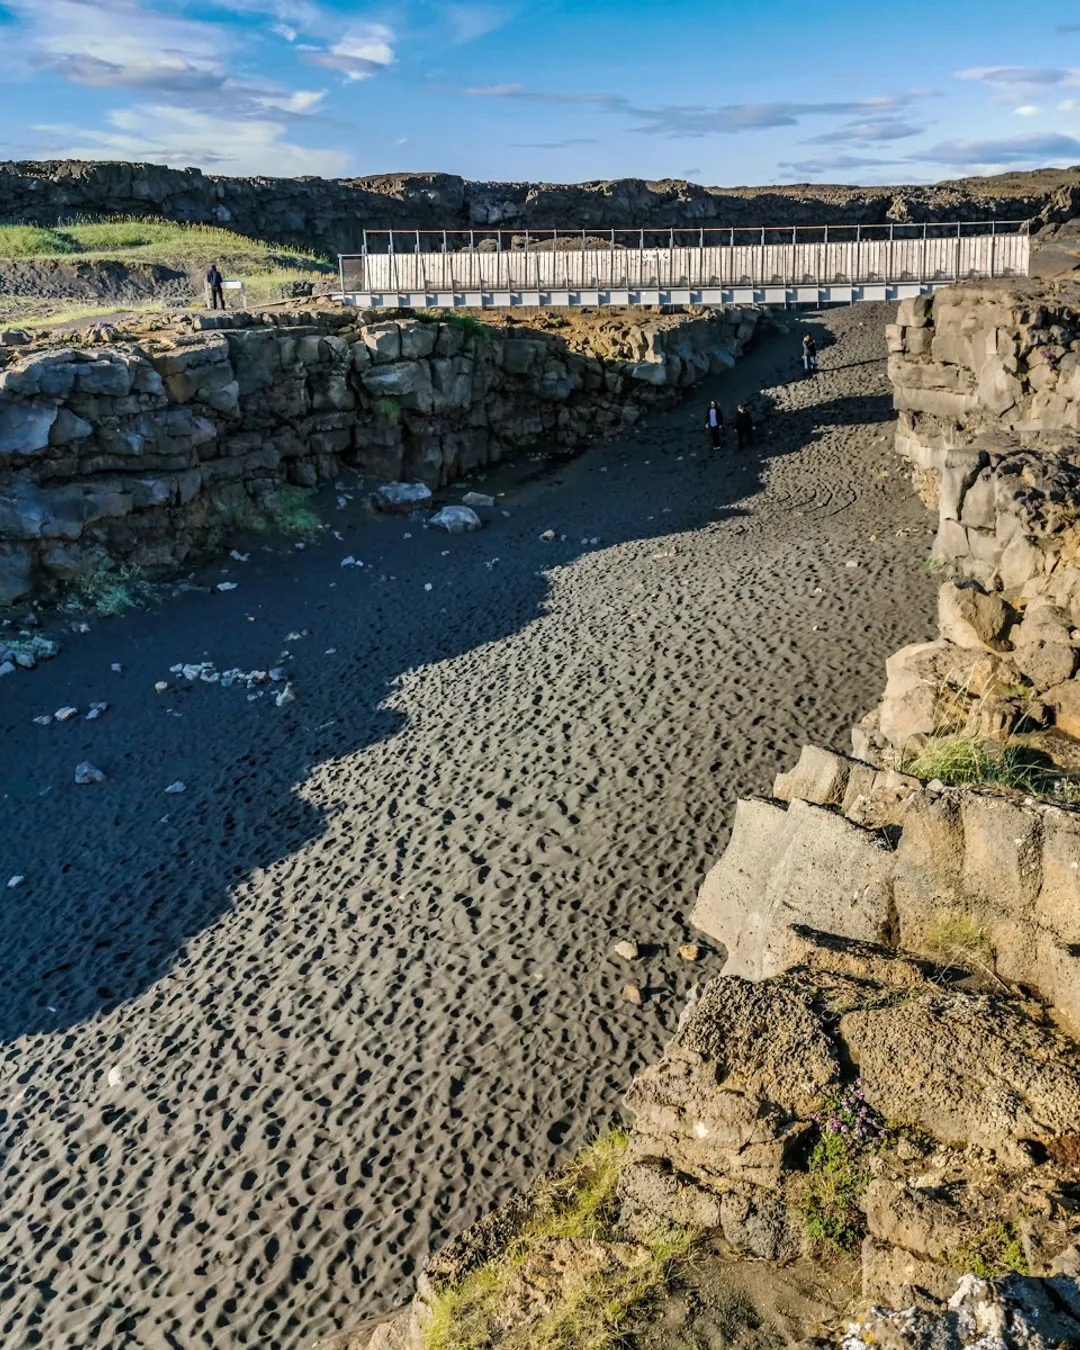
{"x":331,"y":214}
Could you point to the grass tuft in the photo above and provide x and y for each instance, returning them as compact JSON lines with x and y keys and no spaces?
{"x":292,"y":513}
{"x":597,"y":1309}
{"x":957,"y":939}
{"x":109,"y":591}
{"x":388,"y":408}
{"x":963,"y":760}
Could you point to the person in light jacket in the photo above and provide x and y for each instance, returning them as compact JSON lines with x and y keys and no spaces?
{"x":714,"y":424}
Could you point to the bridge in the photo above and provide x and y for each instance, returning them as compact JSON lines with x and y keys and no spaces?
{"x":793,"y":265}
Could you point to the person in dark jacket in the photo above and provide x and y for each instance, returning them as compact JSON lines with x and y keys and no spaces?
{"x":213,"y":286}
{"x":809,"y":354}
{"x":714,"y":424}
{"x":744,"y":428}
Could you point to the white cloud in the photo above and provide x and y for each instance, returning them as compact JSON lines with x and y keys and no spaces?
{"x":179,"y":136}
{"x":1027,"y":110}
{"x":1068,"y":105}
{"x":1013,"y":76}
{"x":1032,"y":151}
{"x":360,"y":53}
{"x":468,"y":22}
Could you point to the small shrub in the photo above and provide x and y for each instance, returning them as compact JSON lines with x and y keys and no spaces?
{"x":933,"y":566}
{"x":848,"y":1132}
{"x":992,"y":1253}
{"x":292,"y":513}
{"x":109,"y":591}
{"x":388,"y":408}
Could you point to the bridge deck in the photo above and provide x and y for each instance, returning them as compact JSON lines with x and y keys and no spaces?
{"x":841,"y":265}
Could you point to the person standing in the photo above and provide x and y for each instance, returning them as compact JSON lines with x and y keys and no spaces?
{"x":744,"y":428}
{"x":809,"y":354}
{"x":214,"y":281}
{"x":714,"y":424}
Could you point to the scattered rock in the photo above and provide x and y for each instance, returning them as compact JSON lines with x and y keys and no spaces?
{"x":116,"y":667}
{"x":477,"y":499}
{"x":115,"y":1076}
{"x":548,"y":536}
{"x":15,"y":881}
{"x":176,"y":787}
{"x":227,"y":585}
{"x":44,"y":720}
{"x":285,"y":697}
{"x":160,"y":686}
{"x":87,"y":773}
{"x":457,"y":520}
{"x":65,"y":714}
{"x":399,"y":499}
{"x":7,"y":667}
{"x":627,"y":949}
{"x":96,"y":709}
{"x":633,"y":994}
{"x":690,"y":951}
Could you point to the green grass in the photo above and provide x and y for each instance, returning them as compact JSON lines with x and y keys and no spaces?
{"x":291,"y":511}
{"x":470,"y":326}
{"x":263,"y":267}
{"x":994,"y":1252}
{"x":81,"y":312}
{"x":595,"y":1312}
{"x":156,"y":241}
{"x":109,"y":591}
{"x":963,"y":760}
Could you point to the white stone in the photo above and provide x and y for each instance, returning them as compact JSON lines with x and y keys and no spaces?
{"x":176,"y":787}
{"x":65,"y":714}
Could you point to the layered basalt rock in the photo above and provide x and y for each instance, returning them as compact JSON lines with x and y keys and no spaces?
{"x":134,"y":451}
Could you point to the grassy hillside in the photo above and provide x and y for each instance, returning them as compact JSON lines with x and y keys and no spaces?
{"x":263,"y":267}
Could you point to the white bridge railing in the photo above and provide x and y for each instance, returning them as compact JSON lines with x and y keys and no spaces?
{"x":801,"y":265}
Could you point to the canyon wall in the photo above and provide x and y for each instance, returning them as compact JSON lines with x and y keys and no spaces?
{"x":133,"y":452}
{"x":987,"y":385}
{"x":331,"y":215}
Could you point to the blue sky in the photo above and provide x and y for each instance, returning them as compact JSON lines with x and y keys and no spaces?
{"x":721,"y":92}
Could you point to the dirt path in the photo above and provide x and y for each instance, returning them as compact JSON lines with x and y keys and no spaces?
{"x":268,"y":1040}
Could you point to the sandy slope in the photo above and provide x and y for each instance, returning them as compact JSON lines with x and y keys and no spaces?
{"x":267,"y":1041}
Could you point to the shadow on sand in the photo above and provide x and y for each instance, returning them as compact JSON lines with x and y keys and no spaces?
{"x":119,"y":876}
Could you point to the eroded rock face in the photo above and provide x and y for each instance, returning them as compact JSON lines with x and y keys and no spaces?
{"x":880,"y":856}
{"x":138,"y":452}
{"x":987,"y":1085}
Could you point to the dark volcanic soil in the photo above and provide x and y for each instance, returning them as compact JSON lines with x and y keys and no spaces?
{"x":268,"y":1040}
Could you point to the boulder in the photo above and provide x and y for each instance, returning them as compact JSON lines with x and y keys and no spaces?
{"x":1046,"y":663}
{"x":807,"y":865}
{"x":1065,"y":701}
{"x":820,"y":776}
{"x":16,"y":570}
{"x":456,"y":520}
{"x":401,"y":498}
{"x":970,"y":617}
{"x":25,"y":427}
{"x":968,"y":1069}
